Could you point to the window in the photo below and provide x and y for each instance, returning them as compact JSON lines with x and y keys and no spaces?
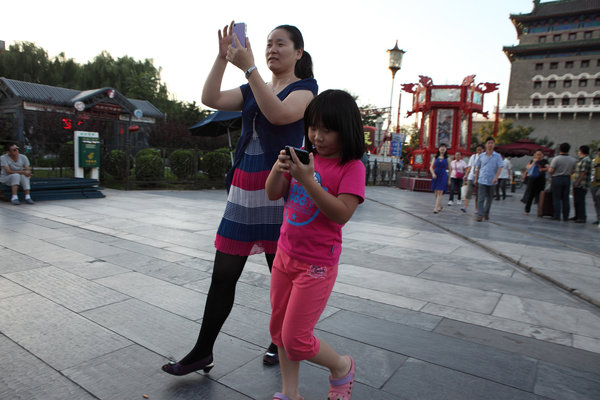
{"x":537,"y":84}
{"x":582,"y":82}
{"x":598,"y":63}
{"x":597,"y":101}
{"x":597,"y":82}
{"x":556,"y":38}
{"x":551,"y":84}
{"x":554,"y":65}
{"x":585,"y":63}
{"x":540,"y":66}
{"x":581,"y":101}
{"x":550,"y":101}
{"x":536,"y":102}
{"x":572,"y":36}
{"x":587,"y":35}
{"x":564,"y":101}
{"x":542,"y":39}
{"x":569,"y":64}
{"x":567,"y":83}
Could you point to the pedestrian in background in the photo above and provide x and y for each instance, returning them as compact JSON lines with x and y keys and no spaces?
{"x":488,"y":169}
{"x":16,"y":172}
{"x":595,"y":187}
{"x":457,"y":175}
{"x":439,"y":176}
{"x":561,"y":168}
{"x":581,"y":183}
{"x":504,"y":178}
{"x":535,"y":173}
{"x":470,"y":172}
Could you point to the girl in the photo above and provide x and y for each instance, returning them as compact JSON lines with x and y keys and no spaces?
{"x":321,"y":198}
{"x":439,"y":181}
{"x":457,"y":168}
{"x":271,"y":118}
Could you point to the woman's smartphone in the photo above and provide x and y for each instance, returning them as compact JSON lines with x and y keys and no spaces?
{"x":302,"y":154}
{"x":240,"y":31}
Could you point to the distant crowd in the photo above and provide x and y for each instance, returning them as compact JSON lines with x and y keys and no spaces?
{"x":548,"y":184}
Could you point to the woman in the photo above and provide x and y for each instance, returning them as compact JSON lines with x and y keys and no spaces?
{"x":272,"y":115}
{"x":439,"y":176}
{"x":536,"y":178}
{"x":457,"y":168}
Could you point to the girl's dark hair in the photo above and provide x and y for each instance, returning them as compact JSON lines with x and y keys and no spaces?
{"x":336,"y":110}
{"x":438,"y":152}
{"x":304,"y":66}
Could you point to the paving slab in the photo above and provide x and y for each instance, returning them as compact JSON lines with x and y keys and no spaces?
{"x":432,"y":306}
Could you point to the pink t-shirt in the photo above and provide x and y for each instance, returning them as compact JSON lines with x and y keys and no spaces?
{"x":458,"y":166}
{"x":306,"y":233}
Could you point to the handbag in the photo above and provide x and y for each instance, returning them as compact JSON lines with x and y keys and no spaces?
{"x":460,"y":175}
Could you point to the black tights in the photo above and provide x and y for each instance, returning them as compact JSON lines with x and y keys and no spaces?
{"x":227,"y":270}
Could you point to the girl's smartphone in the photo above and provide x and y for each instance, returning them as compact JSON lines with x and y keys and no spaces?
{"x":240,"y":31}
{"x":302,"y":154}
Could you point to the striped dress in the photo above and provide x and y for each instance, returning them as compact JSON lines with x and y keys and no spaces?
{"x":251,"y":222}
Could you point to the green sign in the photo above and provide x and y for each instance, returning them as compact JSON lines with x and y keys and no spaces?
{"x":89,"y":152}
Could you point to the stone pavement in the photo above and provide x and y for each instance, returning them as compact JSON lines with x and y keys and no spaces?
{"x":95,"y":295}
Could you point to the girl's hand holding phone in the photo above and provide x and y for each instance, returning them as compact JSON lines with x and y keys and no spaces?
{"x":239,"y":55}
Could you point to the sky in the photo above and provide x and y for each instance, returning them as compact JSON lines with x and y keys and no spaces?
{"x":348,"y":40}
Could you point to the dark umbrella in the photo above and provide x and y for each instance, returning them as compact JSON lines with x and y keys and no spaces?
{"x":523,"y":147}
{"x":219,"y":123}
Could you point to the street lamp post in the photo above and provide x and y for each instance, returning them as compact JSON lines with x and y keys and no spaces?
{"x":394,"y":65}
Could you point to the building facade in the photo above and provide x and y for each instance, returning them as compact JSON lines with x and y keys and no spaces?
{"x":555,"y":71}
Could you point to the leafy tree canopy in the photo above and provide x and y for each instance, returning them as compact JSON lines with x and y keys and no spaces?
{"x":135,"y":79}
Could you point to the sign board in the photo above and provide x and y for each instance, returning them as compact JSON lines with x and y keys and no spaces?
{"x":87,"y":153}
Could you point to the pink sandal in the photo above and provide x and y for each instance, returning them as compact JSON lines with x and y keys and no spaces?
{"x":341,"y":388}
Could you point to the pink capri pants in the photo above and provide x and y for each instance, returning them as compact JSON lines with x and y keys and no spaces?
{"x":299,"y":294}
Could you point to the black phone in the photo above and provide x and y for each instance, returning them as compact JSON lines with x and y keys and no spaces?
{"x":302,"y":154}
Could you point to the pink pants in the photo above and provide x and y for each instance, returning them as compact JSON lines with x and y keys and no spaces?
{"x":299,"y":294}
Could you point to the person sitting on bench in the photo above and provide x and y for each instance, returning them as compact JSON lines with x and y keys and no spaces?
{"x":15,"y":171}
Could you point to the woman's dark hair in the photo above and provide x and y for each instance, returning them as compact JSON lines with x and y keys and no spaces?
{"x":585,"y":149}
{"x":336,"y":110}
{"x":304,"y":66}
{"x":445,"y":153}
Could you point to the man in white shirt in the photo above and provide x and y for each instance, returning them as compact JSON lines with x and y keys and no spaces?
{"x":470,"y":174}
{"x":15,"y":171}
{"x":504,"y":179}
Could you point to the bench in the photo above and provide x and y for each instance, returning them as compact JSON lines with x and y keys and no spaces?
{"x":58,"y":189}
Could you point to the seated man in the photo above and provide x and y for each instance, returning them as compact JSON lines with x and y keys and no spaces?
{"x":14,"y":172}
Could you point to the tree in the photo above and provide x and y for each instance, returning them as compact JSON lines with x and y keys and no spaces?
{"x":507,"y":133}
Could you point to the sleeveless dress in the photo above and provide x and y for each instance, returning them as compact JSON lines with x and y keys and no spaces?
{"x":441,"y":182}
{"x":251,"y":222}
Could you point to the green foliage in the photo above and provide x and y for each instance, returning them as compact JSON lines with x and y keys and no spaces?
{"x":135,"y":79}
{"x":216,"y":164}
{"x":115,"y":164}
{"x":182,"y":163}
{"x":149,"y":165}
{"x":594,"y":145}
{"x":507,"y":133}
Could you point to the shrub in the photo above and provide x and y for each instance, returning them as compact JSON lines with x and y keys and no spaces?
{"x":148,"y":165}
{"x":216,"y":164}
{"x":182,"y":163}
{"x":114,"y":163}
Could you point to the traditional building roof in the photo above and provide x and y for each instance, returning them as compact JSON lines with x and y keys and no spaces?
{"x":557,"y":8}
{"x":45,"y":94}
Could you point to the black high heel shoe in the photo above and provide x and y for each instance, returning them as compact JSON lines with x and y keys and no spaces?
{"x":174,"y":368}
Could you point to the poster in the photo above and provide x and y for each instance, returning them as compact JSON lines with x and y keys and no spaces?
{"x":445,"y":120}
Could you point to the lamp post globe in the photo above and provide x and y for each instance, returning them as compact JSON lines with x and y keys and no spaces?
{"x":394,"y":64}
